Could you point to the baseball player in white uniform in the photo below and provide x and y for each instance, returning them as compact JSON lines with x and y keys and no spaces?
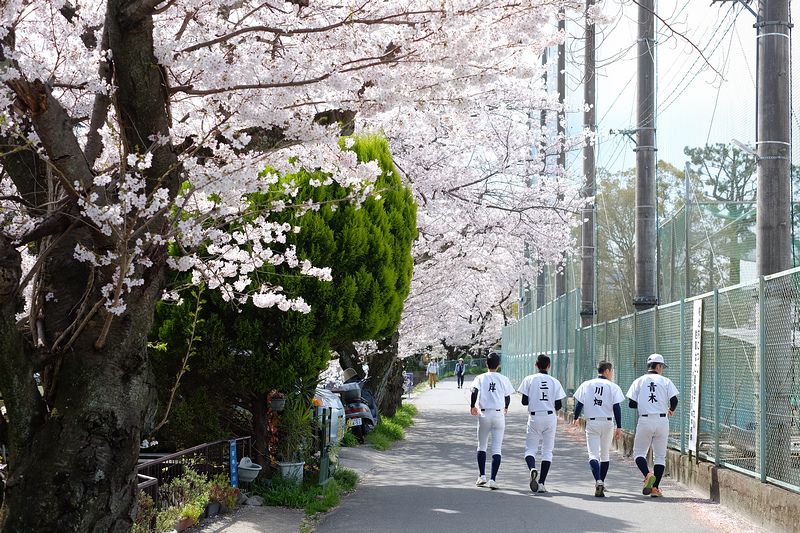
{"x":542,"y":394}
{"x":492,"y":393}
{"x":600,"y":399}
{"x":656,"y":398}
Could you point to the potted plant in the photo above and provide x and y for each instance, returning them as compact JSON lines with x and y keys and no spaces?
{"x":277,"y":401}
{"x":190,"y":514}
{"x":295,"y":435}
{"x":220,"y":493}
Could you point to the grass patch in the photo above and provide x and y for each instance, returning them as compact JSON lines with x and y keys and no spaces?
{"x":392,"y":429}
{"x":309,"y":496}
{"x":348,"y":439}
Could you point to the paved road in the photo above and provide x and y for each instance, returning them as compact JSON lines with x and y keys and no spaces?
{"x":427,"y":483}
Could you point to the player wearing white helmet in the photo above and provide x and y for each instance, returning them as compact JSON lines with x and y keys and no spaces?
{"x":600,"y":397}
{"x":656,"y":398}
{"x":542,"y":394}
{"x":492,"y":394}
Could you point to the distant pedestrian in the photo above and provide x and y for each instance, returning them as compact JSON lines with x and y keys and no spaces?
{"x":542,"y":394}
{"x":656,"y":398}
{"x":459,"y":371}
{"x":601,"y":398}
{"x":491,"y":394}
{"x":433,"y":373}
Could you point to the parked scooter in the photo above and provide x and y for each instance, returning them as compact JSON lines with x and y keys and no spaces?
{"x":360,"y":409}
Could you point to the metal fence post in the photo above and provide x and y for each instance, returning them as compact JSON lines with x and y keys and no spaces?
{"x":762,"y":372}
{"x":655,"y":329}
{"x":633,"y":338}
{"x":683,"y":371}
{"x":716,"y":377}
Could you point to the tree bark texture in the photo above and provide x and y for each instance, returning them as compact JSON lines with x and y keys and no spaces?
{"x":73,"y":448}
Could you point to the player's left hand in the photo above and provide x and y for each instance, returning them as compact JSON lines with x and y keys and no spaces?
{"x":670,"y":412}
{"x":575,"y":423}
{"x":617,"y":433}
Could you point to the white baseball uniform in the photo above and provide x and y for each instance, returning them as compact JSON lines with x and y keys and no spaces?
{"x":542,"y":391}
{"x":492,"y":388}
{"x":598,"y":397}
{"x":652,"y":393}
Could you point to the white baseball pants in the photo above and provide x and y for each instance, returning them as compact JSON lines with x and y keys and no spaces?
{"x":652,"y":430}
{"x":494,"y":422}
{"x":599,"y":434}
{"x":541,"y":428}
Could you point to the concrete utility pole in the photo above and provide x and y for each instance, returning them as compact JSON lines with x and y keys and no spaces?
{"x":561,"y":128}
{"x":542,"y":276}
{"x":773,"y":230}
{"x":645,"y":268}
{"x":587,"y":230}
{"x":773,"y":136}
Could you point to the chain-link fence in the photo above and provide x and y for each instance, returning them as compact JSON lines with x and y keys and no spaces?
{"x":749,"y":417}
{"x":473,"y":365}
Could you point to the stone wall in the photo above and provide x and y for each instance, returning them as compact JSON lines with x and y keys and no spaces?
{"x":767,"y":505}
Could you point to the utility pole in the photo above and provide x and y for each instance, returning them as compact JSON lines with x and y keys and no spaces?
{"x":773,"y":138}
{"x":587,"y":230}
{"x":561,"y":119}
{"x":773,"y":228}
{"x":645,"y":267}
{"x":542,"y":275}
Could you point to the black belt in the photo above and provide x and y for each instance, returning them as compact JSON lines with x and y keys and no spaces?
{"x":662,"y":415}
{"x":604,"y":418}
{"x":533,"y":413}
{"x":492,"y":409}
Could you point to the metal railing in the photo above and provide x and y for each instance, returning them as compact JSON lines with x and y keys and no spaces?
{"x":209,"y":459}
{"x":749,"y":418}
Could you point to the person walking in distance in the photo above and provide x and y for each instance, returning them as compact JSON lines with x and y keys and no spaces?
{"x":491,"y":394}
{"x":656,"y":398}
{"x":601,"y":398}
{"x":459,"y":372}
{"x":433,"y":372}
{"x":542,"y":394}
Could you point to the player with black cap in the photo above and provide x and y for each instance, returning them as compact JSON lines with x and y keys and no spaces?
{"x":656,"y":398}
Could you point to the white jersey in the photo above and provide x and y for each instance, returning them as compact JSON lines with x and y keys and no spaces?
{"x":598,"y":397}
{"x":492,"y":388}
{"x":433,"y":368}
{"x":652,"y":393}
{"x":542,"y":391}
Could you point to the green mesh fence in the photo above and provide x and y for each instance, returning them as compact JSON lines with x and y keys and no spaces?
{"x":749,"y":414}
{"x":721,"y":248}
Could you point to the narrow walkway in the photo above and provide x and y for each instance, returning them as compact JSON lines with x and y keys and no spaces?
{"x":427,"y":483}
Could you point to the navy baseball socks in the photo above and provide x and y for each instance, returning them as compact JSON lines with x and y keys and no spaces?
{"x":532,"y":482}
{"x":649,"y":479}
{"x":495,"y":465}
{"x":543,"y":475}
{"x":595,"y":466}
{"x":604,"y":470}
{"x":481,"y":468}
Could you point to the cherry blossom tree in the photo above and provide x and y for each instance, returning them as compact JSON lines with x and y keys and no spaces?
{"x":476,"y":224}
{"x":134,"y":128}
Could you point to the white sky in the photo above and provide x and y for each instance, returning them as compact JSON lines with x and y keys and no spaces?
{"x":695,"y":104}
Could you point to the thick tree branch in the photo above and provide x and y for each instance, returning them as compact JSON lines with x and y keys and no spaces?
{"x":102,"y":102}
{"x":56,"y":133}
{"x":388,"y":20}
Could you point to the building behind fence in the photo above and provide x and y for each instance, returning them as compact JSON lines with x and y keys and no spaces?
{"x":750,"y":367}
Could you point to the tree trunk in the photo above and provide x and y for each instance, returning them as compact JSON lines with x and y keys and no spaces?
{"x":262,"y":433}
{"x":73,"y":451}
{"x":389,"y":382}
{"x":385,"y":373}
